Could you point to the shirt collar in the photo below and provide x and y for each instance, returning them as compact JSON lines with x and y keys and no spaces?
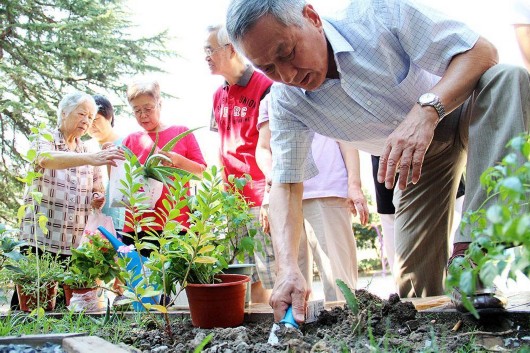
{"x":338,"y":42}
{"x":61,"y":142}
{"x":245,"y":78}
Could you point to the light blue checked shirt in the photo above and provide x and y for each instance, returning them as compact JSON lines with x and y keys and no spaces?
{"x":388,"y":53}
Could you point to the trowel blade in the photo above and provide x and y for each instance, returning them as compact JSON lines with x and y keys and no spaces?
{"x":273,"y":339}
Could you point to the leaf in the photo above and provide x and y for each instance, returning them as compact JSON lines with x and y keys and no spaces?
{"x":131,"y":157}
{"x":150,"y":292}
{"x":203,"y":343}
{"x":159,"y":308}
{"x":21,"y":212}
{"x":205,"y":260}
{"x":488,"y":272}
{"x":467,"y":283}
{"x":512,"y":184}
{"x":206,"y":249}
{"x":31,"y":155}
{"x":171,"y":143}
{"x":494,"y":214}
{"x":152,"y":162}
{"x":153,"y":149}
{"x":42,"y":223}
{"x":350,"y":297}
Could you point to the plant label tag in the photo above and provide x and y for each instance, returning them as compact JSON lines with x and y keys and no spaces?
{"x":314,"y":307}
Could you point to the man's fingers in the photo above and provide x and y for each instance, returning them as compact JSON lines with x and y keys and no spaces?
{"x":381,"y":170}
{"x":299,"y":305}
{"x":279,"y":312}
{"x":417,"y":163}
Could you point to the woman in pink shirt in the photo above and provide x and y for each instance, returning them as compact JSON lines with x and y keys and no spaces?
{"x":144,"y":98}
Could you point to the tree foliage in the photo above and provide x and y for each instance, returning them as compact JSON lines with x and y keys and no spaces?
{"x":50,"y":47}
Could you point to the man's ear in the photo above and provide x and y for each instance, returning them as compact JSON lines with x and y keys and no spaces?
{"x":232,"y":49}
{"x":312,"y":16}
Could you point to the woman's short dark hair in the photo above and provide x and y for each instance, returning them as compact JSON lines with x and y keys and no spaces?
{"x":105,"y":108}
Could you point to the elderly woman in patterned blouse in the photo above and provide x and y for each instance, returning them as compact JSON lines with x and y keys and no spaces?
{"x":70,"y":181}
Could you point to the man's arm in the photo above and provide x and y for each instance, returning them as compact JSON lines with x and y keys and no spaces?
{"x":286,"y":220}
{"x":407,"y":145}
{"x":356,"y":199}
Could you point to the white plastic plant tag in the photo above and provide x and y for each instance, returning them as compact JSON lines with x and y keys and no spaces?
{"x":314,"y":308}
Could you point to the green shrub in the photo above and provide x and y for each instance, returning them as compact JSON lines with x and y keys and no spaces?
{"x":502,"y":222}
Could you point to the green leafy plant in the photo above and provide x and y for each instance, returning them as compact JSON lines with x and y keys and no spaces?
{"x":211,"y":242}
{"x":185,"y":254}
{"x":502,"y":222}
{"x":92,"y":261}
{"x":152,"y":167}
{"x":194,"y":253}
{"x":232,"y":215}
{"x":34,"y":274}
{"x":9,"y":246}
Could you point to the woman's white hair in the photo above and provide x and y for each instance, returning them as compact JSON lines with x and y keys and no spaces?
{"x":72,"y":101}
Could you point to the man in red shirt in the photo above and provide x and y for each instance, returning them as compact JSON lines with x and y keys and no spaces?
{"x":234,"y":116}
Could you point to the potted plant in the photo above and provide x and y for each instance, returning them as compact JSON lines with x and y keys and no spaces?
{"x":233,"y":215}
{"x":198,"y":257}
{"x":36,"y":279}
{"x":9,"y":251}
{"x":92,"y":264}
{"x":192,"y":255}
{"x":151,"y":175}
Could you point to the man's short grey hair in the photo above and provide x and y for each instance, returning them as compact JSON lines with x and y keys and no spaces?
{"x":222,"y":35}
{"x":71,"y":101}
{"x":222,"y":38}
{"x":242,"y":15}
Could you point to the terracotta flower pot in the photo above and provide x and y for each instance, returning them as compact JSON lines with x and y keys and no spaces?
{"x":220,"y":304}
{"x":242,"y":269}
{"x":48,"y":296}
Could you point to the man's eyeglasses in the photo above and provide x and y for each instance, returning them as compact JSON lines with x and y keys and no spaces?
{"x":210,"y":51}
{"x":146,"y":111}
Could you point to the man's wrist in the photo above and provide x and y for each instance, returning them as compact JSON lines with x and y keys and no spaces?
{"x":432,"y":100}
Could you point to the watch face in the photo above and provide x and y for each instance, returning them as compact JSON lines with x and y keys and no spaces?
{"x":427,"y":98}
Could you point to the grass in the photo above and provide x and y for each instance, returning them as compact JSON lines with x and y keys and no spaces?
{"x":112,"y":329}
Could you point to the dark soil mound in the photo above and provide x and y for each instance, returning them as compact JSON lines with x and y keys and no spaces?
{"x":380,"y":325}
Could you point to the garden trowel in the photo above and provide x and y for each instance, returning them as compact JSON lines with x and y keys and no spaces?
{"x":314,"y":308}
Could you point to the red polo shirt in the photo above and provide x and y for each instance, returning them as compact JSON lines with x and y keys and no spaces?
{"x":235,"y":116}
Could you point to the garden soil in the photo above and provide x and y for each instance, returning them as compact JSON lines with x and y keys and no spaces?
{"x":380,"y":326}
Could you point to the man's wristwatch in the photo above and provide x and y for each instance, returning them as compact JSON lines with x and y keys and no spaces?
{"x":432,"y":100}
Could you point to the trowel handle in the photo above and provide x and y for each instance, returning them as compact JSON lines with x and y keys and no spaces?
{"x":288,"y":319}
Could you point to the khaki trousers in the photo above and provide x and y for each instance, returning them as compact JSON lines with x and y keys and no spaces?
{"x":474,"y":135}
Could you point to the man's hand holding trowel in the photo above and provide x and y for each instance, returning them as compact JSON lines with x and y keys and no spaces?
{"x":299,"y":311}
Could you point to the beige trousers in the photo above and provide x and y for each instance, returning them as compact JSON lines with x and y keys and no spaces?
{"x":328,"y":240}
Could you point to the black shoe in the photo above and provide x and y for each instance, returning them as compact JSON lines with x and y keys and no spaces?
{"x":485,"y":300}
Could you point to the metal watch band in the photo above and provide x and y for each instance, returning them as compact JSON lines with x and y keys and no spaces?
{"x":439,"y":109}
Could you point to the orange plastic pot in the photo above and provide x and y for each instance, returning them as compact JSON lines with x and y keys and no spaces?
{"x":47,"y":298}
{"x":220,"y":304}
